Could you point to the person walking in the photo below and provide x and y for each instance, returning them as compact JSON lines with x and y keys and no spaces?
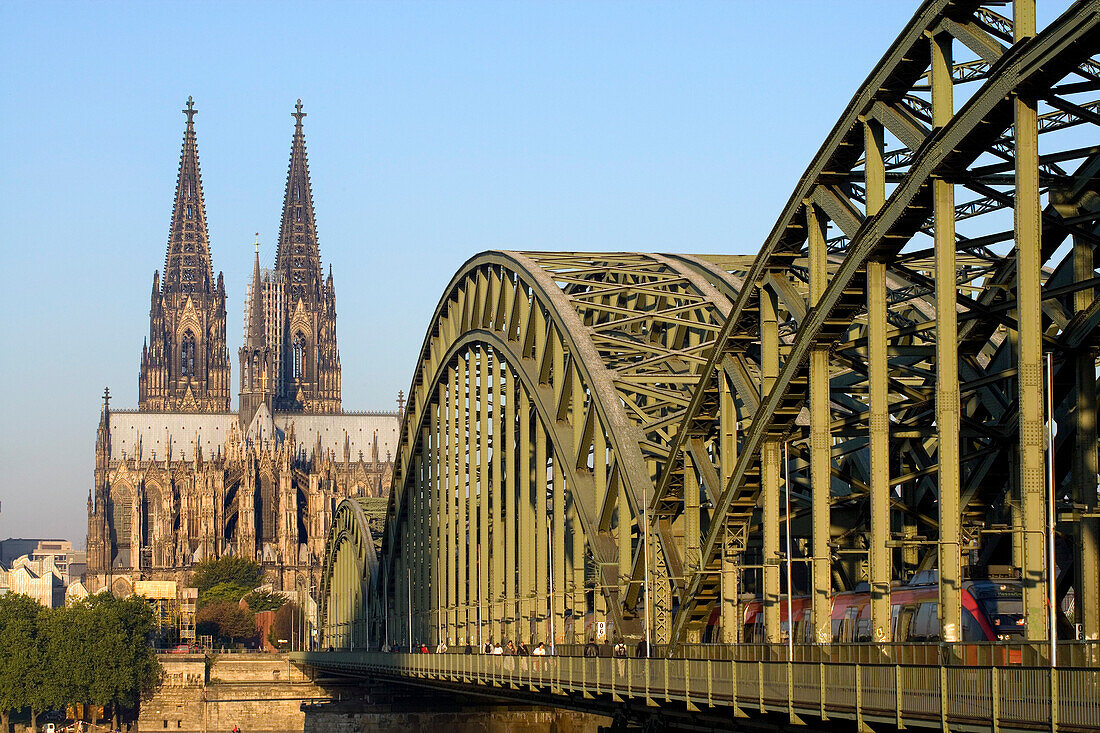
{"x":642,"y":650}
{"x":619,"y":652}
{"x":590,"y":649}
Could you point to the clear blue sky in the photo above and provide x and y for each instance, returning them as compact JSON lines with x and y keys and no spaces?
{"x":435,"y":131}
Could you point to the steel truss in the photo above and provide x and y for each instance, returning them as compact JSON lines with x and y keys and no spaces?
{"x":602,"y":436}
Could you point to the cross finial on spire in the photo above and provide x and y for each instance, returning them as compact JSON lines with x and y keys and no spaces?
{"x":190,"y":111}
{"x":106,"y":397}
{"x":298,"y":114}
{"x":257,"y":244}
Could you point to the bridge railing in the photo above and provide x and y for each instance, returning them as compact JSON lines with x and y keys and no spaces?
{"x":899,"y":694}
{"x":981,"y":654}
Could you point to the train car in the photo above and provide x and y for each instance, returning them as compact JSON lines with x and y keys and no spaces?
{"x":992,"y":610}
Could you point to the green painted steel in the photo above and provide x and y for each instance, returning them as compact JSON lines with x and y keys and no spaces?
{"x":640,"y":445}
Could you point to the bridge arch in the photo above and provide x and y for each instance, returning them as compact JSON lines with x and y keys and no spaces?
{"x":635,"y":410}
{"x":348,"y":606}
{"x":576,"y":363}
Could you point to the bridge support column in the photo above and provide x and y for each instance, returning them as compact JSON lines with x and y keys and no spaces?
{"x":557,"y":557}
{"x":511,"y":509}
{"x":948,"y":417}
{"x":452,"y":509}
{"x":820,"y":441}
{"x":498,"y":541}
{"x":485,"y":550}
{"x":1029,"y":366}
{"x":692,"y":563}
{"x":730,"y":618}
{"x":878,"y":413}
{"x":578,"y":602}
{"x":524,"y":546}
{"x":1087,"y":560}
{"x":541,"y":539}
{"x":462,"y":501}
{"x":770,"y":469}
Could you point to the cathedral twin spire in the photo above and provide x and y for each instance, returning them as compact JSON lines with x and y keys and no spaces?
{"x":289,"y":359}
{"x":298,"y":256}
{"x":187,"y":266}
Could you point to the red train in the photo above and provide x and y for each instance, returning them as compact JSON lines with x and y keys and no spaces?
{"x":992,"y":610}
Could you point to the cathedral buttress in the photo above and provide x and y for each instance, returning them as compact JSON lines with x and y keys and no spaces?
{"x":98,"y":540}
{"x":185,"y":363}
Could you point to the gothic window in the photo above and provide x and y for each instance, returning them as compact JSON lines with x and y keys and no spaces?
{"x":266,"y":509}
{"x":297,"y":213}
{"x":299,"y":355}
{"x":246,"y":378}
{"x":187,"y":355}
{"x":255,"y":383}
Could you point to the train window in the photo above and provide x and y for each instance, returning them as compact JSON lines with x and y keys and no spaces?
{"x":925,"y":625}
{"x":903,"y":629}
{"x":894,"y":612}
{"x":863,"y":625}
{"x":836,"y":630}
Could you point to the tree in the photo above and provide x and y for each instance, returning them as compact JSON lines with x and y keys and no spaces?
{"x":100,"y":645}
{"x":225,"y":579}
{"x":226,"y":621}
{"x":264,"y":600}
{"x":22,"y":657}
{"x":222,"y":593}
{"x":122,"y":628}
{"x":235,"y":570}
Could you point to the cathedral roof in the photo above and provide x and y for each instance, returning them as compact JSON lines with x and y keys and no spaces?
{"x":145,"y":433}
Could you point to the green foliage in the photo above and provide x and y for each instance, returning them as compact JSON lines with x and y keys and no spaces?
{"x":94,"y":651}
{"x":226,"y":579}
{"x":222,"y":593}
{"x":225,"y":621}
{"x":22,"y":657}
{"x":234,"y":570}
{"x":264,"y":600}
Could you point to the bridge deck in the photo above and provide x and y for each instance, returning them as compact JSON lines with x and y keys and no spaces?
{"x":932,"y":696}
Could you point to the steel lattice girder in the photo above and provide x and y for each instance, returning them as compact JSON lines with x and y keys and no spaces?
{"x":606,"y":348}
{"x":686,"y":374}
{"x":940,"y":158}
{"x":350,"y":565}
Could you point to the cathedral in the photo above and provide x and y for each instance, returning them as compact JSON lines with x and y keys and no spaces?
{"x":183,"y":478}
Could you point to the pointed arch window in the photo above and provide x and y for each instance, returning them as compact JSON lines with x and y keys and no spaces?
{"x":187,"y":355}
{"x":299,"y":355}
{"x":256,"y":382}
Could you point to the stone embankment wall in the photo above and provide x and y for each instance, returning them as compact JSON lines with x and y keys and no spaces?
{"x":257,"y":692}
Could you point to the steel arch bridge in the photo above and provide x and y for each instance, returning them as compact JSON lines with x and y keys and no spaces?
{"x":902,"y":379}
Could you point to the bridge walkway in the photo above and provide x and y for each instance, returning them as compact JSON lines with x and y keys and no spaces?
{"x":723,"y":692}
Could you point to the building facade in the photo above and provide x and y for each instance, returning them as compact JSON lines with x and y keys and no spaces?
{"x":184,"y":478}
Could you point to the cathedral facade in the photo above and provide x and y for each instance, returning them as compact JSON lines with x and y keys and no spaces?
{"x":183,"y":478}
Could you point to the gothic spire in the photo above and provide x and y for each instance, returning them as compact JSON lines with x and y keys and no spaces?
{"x":298,"y":257}
{"x":254,"y":330}
{"x":187,"y":267}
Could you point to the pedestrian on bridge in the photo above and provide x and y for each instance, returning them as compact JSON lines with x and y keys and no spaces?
{"x":590,"y":649}
{"x":441,"y":647}
{"x":642,"y":650}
